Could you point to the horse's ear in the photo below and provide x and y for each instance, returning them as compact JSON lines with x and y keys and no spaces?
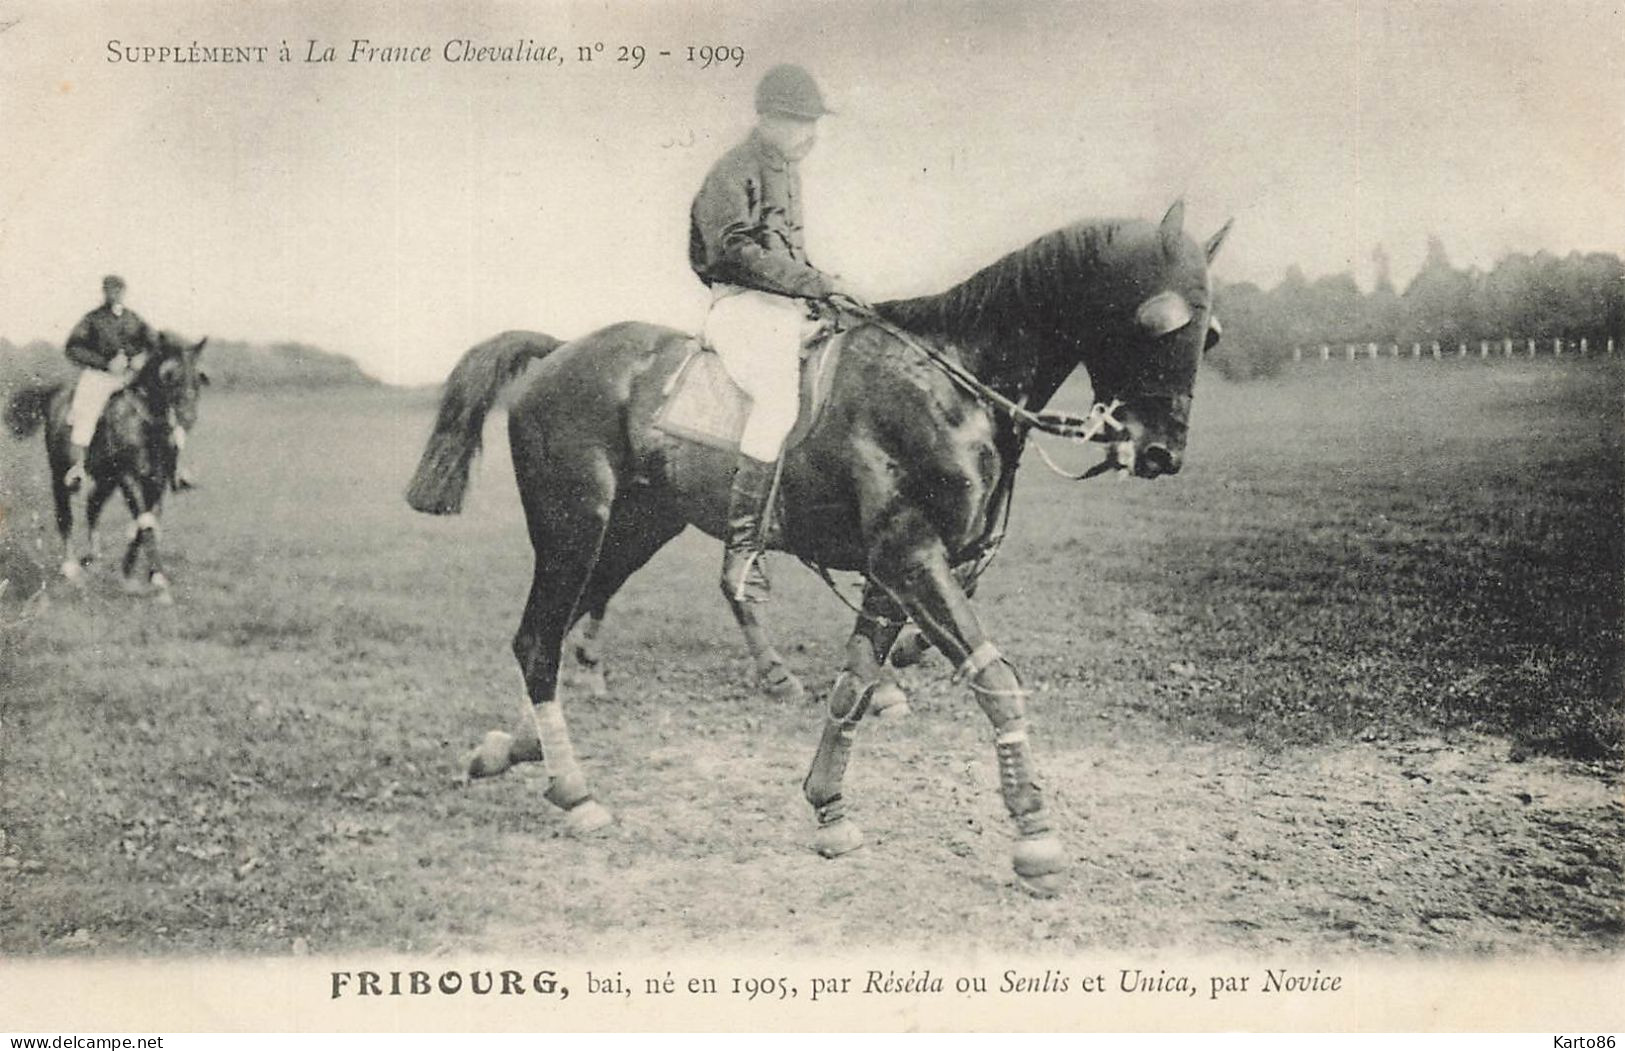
{"x":1213,"y":243}
{"x":199,"y":348}
{"x":1173,"y":226}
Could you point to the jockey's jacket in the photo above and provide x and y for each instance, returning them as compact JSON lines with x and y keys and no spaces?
{"x":102,"y":335}
{"x":745,"y":224}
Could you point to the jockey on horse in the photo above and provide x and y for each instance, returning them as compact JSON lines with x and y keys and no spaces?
{"x":110,"y":335}
{"x":745,"y":243}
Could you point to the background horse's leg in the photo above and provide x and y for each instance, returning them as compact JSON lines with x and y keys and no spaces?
{"x":97,"y":499}
{"x":62,"y":502}
{"x":910,"y":562}
{"x":851,"y":696}
{"x":143,"y":498}
{"x":773,"y":675}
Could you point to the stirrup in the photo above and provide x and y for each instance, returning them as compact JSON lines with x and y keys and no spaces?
{"x":748,"y":583}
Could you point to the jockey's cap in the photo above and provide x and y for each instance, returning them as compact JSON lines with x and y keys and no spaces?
{"x":790,"y":91}
{"x":112,"y":281}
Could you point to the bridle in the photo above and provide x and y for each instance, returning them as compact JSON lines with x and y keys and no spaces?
{"x":1099,"y":424}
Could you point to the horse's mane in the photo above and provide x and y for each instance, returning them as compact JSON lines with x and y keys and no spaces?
{"x":1013,"y":289}
{"x":170,"y":345}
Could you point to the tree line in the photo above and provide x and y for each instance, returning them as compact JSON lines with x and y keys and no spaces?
{"x":1540,"y":296}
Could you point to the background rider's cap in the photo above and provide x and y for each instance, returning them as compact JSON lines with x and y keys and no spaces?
{"x":790,"y":91}
{"x":112,"y":281}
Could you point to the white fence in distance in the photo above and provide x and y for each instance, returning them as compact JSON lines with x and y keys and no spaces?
{"x":1505,"y":347}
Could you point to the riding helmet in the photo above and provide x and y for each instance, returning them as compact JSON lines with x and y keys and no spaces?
{"x":790,"y":91}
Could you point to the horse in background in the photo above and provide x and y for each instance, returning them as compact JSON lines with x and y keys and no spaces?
{"x":131,"y":453}
{"x":903,"y":478}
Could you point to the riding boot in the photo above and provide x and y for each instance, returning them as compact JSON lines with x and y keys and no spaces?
{"x":744,"y":578}
{"x":74,"y":476}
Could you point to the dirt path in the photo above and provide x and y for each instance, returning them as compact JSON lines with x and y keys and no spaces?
{"x":1419,"y":845}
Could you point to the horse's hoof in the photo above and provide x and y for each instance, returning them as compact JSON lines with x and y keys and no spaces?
{"x":1038,"y":857}
{"x":909,"y":649}
{"x":842,"y":837}
{"x":587,"y":817}
{"x":1047,"y":886}
{"x":492,"y":757}
{"x":782,"y":684}
{"x":588,"y":678}
{"x":888,"y":701}
{"x":72,"y":571}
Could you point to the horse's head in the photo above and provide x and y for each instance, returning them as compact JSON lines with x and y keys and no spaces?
{"x":1158,"y":323}
{"x":173,"y":379}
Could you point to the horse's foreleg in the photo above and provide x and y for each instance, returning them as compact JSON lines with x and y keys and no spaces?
{"x":773,"y":675}
{"x":94,"y":502}
{"x":143,"y":501}
{"x":62,"y":502}
{"x":911,"y":564}
{"x":849,"y":699}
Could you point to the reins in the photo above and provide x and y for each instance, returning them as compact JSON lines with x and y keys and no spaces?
{"x":1099,"y":424}
{"x":1061,"y":424}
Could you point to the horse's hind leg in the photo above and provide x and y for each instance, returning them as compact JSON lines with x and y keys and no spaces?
{"x":637,"y":529}
{"x":773,"y":675}
{"x":585,"y":667}
{"x":850,"y":699}
{"x":639,"y":525}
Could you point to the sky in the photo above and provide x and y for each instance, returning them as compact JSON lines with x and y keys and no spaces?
{"x":400,"y":212}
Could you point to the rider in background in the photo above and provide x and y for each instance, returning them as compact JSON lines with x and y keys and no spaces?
{"x":110,"y":345}
{"x":745,"y":243}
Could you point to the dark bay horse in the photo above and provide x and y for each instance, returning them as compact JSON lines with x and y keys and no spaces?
{"x":131,"y":453}
{"x":900,"y":479}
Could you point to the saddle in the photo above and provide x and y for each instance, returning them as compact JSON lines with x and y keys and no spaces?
{"x":703,"y":404}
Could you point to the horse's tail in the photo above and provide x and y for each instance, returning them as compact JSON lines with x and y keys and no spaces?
{"x":29,"y":407}
{"x":442,"y":476}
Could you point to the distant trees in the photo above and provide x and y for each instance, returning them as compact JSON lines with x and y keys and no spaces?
{"x":1523,"y":297}
{"x":231,"y":364}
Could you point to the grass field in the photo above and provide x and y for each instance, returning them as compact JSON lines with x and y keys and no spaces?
{"x":1350,"y":680}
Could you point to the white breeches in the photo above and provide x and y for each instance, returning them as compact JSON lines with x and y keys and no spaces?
{"x":758,"y":337}
{"x":89,"y":399}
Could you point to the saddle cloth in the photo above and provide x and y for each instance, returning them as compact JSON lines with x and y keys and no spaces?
{"x":703,"y":404}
